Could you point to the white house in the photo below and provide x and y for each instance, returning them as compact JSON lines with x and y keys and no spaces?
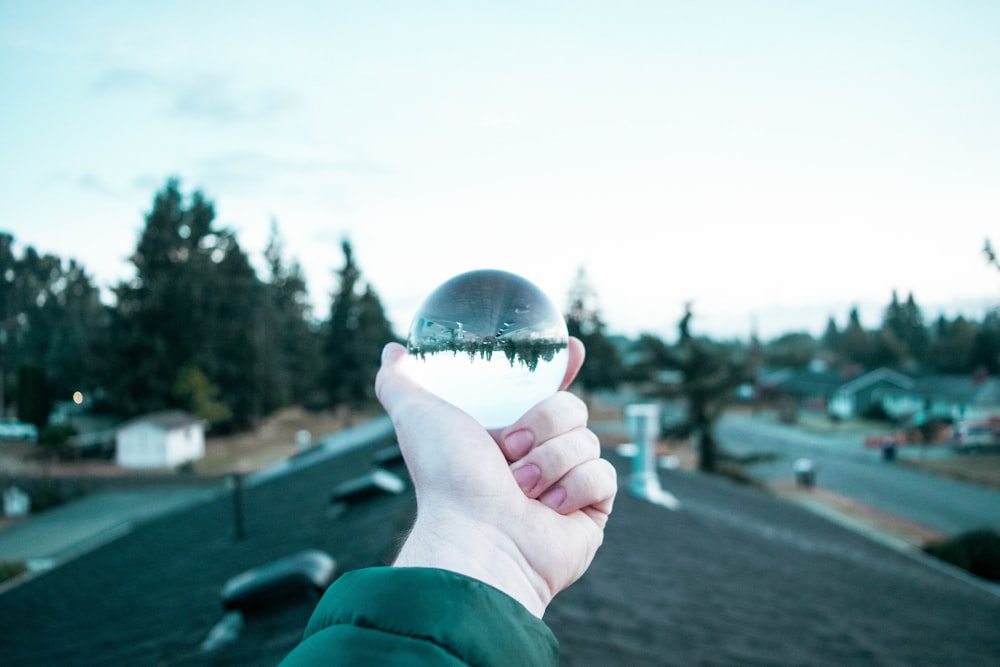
{"x":160,"y":440}
{"x":860,"y":395}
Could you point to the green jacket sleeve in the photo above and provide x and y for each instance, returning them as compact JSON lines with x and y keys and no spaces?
{"x":421,"y":616}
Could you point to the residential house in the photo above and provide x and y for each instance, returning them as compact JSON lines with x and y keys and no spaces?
{"x":951,"y":398}
{"x":810,"y":388}
{"x":160,"y":440}
{"x":866,"y":393}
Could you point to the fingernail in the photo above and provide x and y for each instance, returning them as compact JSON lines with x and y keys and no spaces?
{"x":554,"y":497}
{"x":519,"y":443}
{"x":527,"y":476}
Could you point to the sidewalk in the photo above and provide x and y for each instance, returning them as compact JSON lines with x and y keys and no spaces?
{"x":44,"y":540}
{"x":880,"y":526}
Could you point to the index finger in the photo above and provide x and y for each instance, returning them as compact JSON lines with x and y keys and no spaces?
{"x":558,"y":414}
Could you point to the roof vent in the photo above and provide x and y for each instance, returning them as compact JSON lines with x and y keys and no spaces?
{"x":643,"y":422}
{"x":304,"y":575}
{"x":387,"y":456}
{"x":373,"y":483}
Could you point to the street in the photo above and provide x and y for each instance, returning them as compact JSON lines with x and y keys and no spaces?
{"x":845,"y":467}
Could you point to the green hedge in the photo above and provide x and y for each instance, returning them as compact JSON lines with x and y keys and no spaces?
{"x":977,"y":551}
{"x":11,"y":569}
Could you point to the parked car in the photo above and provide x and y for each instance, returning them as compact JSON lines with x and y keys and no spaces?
{"x":11,"y":429}
{"x":977,"y":436}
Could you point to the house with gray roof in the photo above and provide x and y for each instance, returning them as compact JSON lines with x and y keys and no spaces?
{"x":959,"y":397}
{"x":160,"y":440}
{"x":730,"y":576}
{"x":861,"y":395}
{"x":948,"y":397}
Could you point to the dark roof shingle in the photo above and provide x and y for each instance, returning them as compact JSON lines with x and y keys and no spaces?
{"x":735,"y":577}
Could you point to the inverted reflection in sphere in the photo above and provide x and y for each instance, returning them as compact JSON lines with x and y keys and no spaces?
{"x":491,"y":343}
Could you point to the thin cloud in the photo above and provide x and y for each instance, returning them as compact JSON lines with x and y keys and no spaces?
{"x":126,"y":80}
{"x":93,"y":183}
{"x":210,"y":97}
{"x":216,"y":99}
{"x":251,"y":169}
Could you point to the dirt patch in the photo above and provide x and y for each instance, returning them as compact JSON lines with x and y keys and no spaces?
{"x":272,"y":441}
{"x":275,"y":439}
{"x":979,"y":469}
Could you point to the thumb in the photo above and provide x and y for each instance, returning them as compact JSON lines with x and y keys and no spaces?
{"x":434,"y":436}
{"x":392,"y":383}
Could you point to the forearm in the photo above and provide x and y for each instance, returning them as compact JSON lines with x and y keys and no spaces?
{"x":421,"y":616}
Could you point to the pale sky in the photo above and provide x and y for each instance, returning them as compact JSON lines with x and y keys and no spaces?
{"x":771,"y":162}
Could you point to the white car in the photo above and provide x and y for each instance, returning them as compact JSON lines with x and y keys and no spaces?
{"x":11,"y":429}
{"x":976,"y":436}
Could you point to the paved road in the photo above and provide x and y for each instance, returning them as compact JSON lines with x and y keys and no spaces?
{"x":844,"y":466}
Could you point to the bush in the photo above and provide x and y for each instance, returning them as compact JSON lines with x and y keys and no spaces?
{"x":977,"y":551}
{"x":56,"y":436}
{"x":11,"y":569}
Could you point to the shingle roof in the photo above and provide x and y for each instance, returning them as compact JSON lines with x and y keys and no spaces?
{"x":735,"y":577}
{"x":874,"y":377}
{"x":167,"y":420}
{"x":960,"y":388}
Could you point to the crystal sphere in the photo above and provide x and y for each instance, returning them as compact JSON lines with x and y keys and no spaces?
{"x":491,"y":343}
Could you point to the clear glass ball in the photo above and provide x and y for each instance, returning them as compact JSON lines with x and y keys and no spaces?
{"x":491,"y":343}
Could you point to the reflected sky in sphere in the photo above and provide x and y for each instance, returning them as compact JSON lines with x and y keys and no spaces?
{"x":491,"y":343}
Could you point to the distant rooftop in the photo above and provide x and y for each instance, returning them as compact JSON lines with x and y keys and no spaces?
{"x":167,"y":420}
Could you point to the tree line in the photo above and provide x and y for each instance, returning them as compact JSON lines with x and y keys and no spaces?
{"x":904,"y":340}
{"x":197,"y":329}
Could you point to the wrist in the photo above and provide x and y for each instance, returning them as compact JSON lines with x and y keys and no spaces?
{"x":479,"y":551}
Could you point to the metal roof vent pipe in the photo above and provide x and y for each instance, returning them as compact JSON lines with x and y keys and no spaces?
{"x":354,"y":491}
{"x":642,"y":421}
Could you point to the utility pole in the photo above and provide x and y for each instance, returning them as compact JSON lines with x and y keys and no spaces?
{"x":3,"y":372}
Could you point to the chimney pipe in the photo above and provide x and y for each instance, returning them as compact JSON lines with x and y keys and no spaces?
{"x":642,"y":421}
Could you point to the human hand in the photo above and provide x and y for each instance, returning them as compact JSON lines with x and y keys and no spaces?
{"x":523,"y":508}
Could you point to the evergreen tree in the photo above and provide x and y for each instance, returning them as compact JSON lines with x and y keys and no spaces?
{"x":603,"y":366}
{"x":952,"y":345}
{"x":354,"y":336}
{"x":904,"y":336}
{"x":232,"y":343}
{"x":916,"y":337}
{"x":294,"y":353}
{"x":856,"y":342}
{"x":51,"y":321}
{"x":376,"y":332}
{"x":793,"y":350}
{"x":986,"y":347}
{"x":193,"y":303}
{"x":886,"y":350}
{"x":893,"y":319}
{"x":832,"y":339}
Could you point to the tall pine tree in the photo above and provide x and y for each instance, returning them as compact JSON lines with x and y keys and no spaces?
{"x":293,"y":354}
{"x":603,"y":366}
{"x":52,"y":321}
{"x":353,"y":338}
{"x":192,"y":305}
